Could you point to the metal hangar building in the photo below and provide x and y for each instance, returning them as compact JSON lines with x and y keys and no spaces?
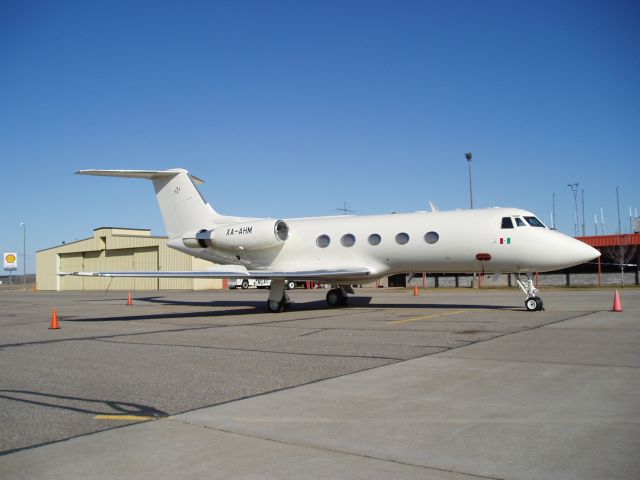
{"x":118,"y":249}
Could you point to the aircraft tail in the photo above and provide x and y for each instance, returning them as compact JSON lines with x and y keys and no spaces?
{"x":182,"y":206}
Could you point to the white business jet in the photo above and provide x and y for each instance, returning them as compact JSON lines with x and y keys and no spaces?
{"x":345,"y":250}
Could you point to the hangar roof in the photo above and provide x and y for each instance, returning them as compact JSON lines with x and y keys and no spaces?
{"x":116,"y":237}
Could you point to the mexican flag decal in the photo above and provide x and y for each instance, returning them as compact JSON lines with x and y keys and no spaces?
{"x":505,"y":241}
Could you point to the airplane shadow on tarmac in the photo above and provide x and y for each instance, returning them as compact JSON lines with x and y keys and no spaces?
{"x":227,"y":308}
{"x":354,"y":302}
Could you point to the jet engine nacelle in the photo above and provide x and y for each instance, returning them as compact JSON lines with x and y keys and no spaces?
{"x":256,"y":235}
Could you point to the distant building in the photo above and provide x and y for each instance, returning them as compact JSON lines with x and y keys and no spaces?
{"x":118,"y":249}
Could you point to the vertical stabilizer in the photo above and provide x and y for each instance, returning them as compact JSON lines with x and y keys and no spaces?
{"x":182,"y":206}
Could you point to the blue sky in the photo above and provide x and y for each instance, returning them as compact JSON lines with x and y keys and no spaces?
{"x":290,"y":108}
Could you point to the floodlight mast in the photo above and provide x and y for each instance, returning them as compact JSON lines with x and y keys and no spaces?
{"x":468,"y":156}
{"x":574,"y":190}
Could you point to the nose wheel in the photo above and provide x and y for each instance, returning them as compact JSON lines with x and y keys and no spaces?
{"x":533,"y":303}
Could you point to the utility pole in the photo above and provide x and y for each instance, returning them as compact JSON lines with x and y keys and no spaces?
{"x":468,"y":156}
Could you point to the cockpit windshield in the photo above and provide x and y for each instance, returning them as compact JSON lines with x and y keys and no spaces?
{"x":510,"y":222}
{"x":506,"y":222}
{"x":534,"y":222}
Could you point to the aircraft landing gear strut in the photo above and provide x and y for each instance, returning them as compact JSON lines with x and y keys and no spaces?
{"x":533,"y":302}
{"x":278,"y":299}
{"x":337,"y":297}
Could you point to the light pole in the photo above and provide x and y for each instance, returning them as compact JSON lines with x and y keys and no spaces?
{"x":574,"y":190}
{"x":583,"y":229}
{"x":468,"y":156}
{"x":24,"y":253}
{"x":618,"y":202}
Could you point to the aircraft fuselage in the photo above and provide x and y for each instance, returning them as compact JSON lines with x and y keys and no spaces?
{"x":460,"y":241}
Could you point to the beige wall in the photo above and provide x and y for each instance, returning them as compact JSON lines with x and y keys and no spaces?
{"x":205,"y":283}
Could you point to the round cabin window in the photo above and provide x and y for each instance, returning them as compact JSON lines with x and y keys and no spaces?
{"x":323,"y":241}
{"x":402,"y":238}
{"x":431,"y":237}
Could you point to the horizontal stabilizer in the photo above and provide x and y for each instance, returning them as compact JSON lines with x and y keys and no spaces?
{"x":146,"y":174}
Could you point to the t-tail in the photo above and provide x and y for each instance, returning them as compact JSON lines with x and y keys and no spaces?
{"x":183,"y":207}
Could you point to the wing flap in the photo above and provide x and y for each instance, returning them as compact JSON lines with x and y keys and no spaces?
{"x":328,"y":273}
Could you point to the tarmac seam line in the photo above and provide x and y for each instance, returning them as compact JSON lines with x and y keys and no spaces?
{"x":325,"y":449}
{"x":251,"y":350}
{"x":539,"y":362}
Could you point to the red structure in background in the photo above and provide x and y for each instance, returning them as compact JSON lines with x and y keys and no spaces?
{"x":600,"y":241}
{"x":603,"y":242}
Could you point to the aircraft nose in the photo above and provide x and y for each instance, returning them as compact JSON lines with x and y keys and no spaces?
{"x":562,"y":251}
{"x":579,"y":252}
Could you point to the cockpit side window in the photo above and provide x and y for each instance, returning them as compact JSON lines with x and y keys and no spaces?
{"x":534,"y":222}
{"x":507,"y":222}
{"x":519,"y":222}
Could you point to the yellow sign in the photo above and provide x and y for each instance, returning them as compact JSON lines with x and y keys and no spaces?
{"x":11,"y":261}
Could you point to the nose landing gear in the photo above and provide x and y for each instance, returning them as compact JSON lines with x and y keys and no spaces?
{"x":533,"y":302}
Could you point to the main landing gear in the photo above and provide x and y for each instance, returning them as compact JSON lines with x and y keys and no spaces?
{"x":337,"y":297}
{"x":278,"y":299}
{"x":533,"y":302}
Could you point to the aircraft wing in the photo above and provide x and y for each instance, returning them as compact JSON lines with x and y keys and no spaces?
{"x":232,"y":271}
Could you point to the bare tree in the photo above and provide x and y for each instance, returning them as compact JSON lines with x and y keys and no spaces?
{"x":622,"y":254}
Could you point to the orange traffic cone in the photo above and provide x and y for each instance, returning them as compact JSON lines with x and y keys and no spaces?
{"x":416,"y":292}
{"x":129,"y":301}
{"x":617,"y":304}
{"x":54,"y":320}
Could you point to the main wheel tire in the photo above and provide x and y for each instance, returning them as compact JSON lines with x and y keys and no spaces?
{"x":245,"y":284}
{"x":291,"y":285}
{"x":335,"y":297}
{"x":275,"y":306}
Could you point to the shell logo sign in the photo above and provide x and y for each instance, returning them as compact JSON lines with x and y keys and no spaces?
{"x":11,"y":261}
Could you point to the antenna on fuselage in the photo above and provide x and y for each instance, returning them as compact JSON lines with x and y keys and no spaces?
{"x":345,"y":210}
